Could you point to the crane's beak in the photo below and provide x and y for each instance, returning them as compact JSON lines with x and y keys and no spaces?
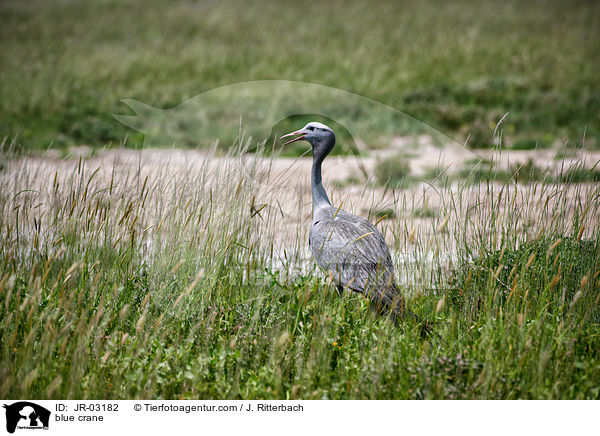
{"x":302,"y":134}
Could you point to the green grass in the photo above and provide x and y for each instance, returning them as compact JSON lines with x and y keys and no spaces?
{"x":530,"y":144}
{"x":580,"y":174}
{"x":527,"y":172}
{"x":143,"y":282}
{"x":487,"y":171}
{"x":393,"y":171}
{"x":542,"y":295}
{"x":424,"y":213}
{"x":457,"y":66}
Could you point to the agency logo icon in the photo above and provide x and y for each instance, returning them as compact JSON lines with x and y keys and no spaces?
{"x":26,"y":415}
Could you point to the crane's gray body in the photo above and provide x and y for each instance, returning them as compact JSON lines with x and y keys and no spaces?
{"x":354,"y":252}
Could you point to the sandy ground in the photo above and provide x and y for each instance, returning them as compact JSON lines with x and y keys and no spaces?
{"x":423,"y":222}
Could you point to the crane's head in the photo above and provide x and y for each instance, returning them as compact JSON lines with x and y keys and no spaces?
{"x":320,"y":137}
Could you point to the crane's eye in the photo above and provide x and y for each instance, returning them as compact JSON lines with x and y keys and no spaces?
{"x":311,"y":128}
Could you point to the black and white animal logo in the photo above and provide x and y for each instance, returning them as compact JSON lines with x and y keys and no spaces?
{"x":26,"y":415}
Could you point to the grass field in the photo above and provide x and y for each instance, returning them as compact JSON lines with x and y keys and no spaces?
{"x":145,"y":276}
{"x":457,"y":66}
{"x":185,"y":273}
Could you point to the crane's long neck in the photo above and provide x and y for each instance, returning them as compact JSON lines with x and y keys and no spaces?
{"x":319,"y":196}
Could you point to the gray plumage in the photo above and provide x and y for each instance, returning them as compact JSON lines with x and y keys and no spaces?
{"x":355,"y":253}
{"x":346,"y":246}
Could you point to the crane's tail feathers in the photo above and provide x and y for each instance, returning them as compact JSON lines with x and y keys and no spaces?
{"x":395,"y":307}
{"x":398,"y":311}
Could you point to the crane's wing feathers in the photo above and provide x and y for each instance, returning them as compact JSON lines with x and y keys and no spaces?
{"x":354,"y":251}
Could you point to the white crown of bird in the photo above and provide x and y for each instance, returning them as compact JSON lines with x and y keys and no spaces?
{"x":317,"y":125}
